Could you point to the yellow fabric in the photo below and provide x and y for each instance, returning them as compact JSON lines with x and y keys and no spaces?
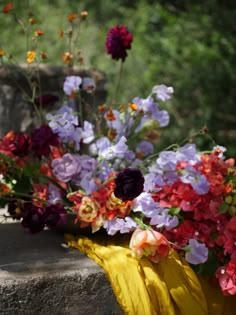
{"x":144,"y":288}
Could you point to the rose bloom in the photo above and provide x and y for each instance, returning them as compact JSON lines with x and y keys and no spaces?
{"x":150,"y":244}
{"x":227,"y":277}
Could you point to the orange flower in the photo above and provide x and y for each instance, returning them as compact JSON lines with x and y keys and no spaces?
{"x":31,"y":55}
{"x":72,"y":17}
{"x":7,"y":8}
{"x":4,"y":189}
{"x":110,"y":115}
{"x":61,"y":33}
{"x":38,"y":33}
{"x":133,"y":106}
{"x":150,"y":244}
{"x":67,"y":57}
{"x":43,"y":55}
{"x":102,"y":108}
{"x":2,"y":52}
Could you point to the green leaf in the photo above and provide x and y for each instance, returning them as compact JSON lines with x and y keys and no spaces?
{"x":174,"y":210}
{"x":23,"y":184}
{"x":223,"y":208}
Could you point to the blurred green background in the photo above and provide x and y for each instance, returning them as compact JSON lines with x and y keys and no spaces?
{"x":190,"y":45}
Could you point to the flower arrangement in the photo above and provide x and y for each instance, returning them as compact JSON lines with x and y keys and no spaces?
{"x":108,"y":173}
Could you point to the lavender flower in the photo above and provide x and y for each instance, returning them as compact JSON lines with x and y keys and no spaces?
{"x":195,"y":179}
{"x":71,"y":84}
{"x":145,"y":147}
{"x":163,"y":219}
{"x":163,"y":92}
{"x":197,"y":252}
{"x":125,"y":225}
{"x":66,"y":167}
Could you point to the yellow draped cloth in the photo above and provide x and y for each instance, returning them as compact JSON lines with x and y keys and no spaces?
{"x":141,"y":287}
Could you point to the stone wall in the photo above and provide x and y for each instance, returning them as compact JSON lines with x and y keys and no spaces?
{"x":16,"y":112}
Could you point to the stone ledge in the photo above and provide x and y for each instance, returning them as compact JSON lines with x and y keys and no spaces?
{"x":39,"y":276}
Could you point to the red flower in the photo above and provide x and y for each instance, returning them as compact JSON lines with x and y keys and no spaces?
{"x":227,"y":277}
{"x":42,"y":140}
{"x":7,"y":8}
{"x":20,"y":145}
{"x":118,"y":41}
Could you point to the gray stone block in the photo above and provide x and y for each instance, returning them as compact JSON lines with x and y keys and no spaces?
{"x":39,"y":276}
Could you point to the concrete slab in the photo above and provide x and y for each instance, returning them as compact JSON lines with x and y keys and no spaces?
{"x":39,"y":276}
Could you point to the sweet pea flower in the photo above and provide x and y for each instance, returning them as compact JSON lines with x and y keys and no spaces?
{"x":163,"y":92}
{"x":125,"y":225}
{"x":197,"y":253}
{"x":150,"y":244}
{"x":66,"y":167}
{"x":71,"y":84}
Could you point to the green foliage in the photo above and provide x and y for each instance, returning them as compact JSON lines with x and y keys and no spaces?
{"x":189,"y":45}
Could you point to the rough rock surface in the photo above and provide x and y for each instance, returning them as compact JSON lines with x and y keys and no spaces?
{"x":16,"y":112}
{"x":39,"y":276}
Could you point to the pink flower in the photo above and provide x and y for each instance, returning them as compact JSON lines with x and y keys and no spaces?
{"x":227,"y":277}
{"x":150,"y":244}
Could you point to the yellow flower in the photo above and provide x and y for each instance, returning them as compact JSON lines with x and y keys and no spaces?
{"x":88,"y":209}
{"x":2,"y":52}
{"x":31,"y":55}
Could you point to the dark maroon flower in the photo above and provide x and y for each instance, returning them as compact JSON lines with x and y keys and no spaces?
{"x":118,"y":41}
{"x":55,"y":215}
{"x":46,"y":100}
{"x":129,"y":184}
{"x":42,"y":139}
{"x":20,"y":145}
{"x":33,"y":218}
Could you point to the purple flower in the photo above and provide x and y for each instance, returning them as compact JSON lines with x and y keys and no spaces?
{"x":118,"y":150}
{"x":163,"y":92}
{"x":55,"y":215}
{"x":42,"y":139}
{"x":197,"y":253}
{"x":195,"y":179}
{"x":65,"y":123}
{"x":145,"y":147}
{"x":144,"y":203}
{"x":125,"y":225}
{"x":88,"y":85}
{"x":163,"y":219}
{"x":33,"y":218}
{"x":129,"y":184}
{"x":118,"y":41}
{"x":71,"y":84}
{"x":54,"y":194}
{"x":66,"y":167}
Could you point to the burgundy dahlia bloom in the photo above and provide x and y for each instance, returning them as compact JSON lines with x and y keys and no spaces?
{"x":55,"y":215}
{"x":42,"y":139}
{"x":118,"y":41}
{"x":33,"y":218}
{"x":129,"y":184}
{"x":20,"y":145}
